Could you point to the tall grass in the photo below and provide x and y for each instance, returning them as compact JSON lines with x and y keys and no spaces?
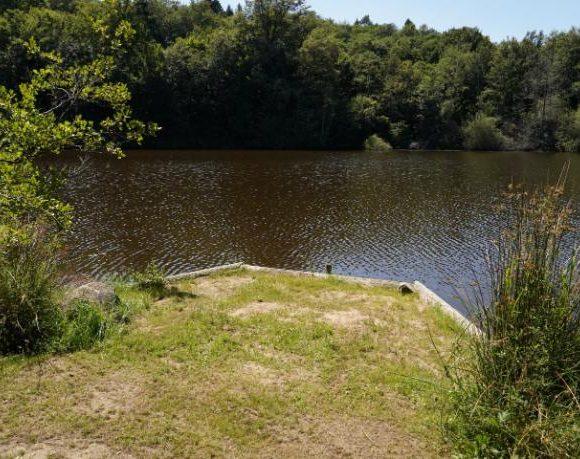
{"x":152,"y":280}
{"x":516,"y":385}
{"x":86,"y":324}
{"x":30,"y":317}
{"x":33,"y":318}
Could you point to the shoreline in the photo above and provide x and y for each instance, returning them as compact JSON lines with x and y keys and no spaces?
{"x":330,"y":149}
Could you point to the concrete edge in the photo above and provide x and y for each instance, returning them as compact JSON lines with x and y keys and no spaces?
{"x":430,"y":297}
{"x":204,"y":272}
{"x":425,"y":294}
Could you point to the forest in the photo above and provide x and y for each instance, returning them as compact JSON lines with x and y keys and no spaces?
{"x":273,"y":74}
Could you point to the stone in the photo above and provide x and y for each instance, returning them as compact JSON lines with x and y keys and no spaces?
{"x":95,"y":292}
{"x":406,"y":289}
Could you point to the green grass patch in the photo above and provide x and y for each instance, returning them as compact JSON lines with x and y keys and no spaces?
{"x":241,"y":363}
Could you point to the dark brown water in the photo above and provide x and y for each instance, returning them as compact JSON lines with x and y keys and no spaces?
{"x":402,"y":215}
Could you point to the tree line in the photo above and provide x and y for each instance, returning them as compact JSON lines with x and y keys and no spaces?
{"x":274,"y":74}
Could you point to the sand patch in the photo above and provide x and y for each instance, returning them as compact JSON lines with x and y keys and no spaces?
{"x":256,"y":308}
{"x":279,"y":356}
{"x":352,"y":318}
{"x":113,"y":397}
{"x":295,"y":312}
{"x":345,"y":297}
{"x":355,"y":303}
{"x":345,"y":437}
{"x":220,"y":287}
{"x":263,"y":375}
{"x":57,"y":448}
{"x":339,"y":295}
{"x":143,"y":325}
{"x":418,"y":325}
{"x":275,"y":378}
{"x":172,"y":363}
{"x":55,"y":369}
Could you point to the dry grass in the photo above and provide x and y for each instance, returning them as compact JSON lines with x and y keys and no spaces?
{"x":253,"y":365}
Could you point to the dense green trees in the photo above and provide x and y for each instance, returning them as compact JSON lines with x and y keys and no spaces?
{"x":272,"y":74}
{"x":482,"y":133}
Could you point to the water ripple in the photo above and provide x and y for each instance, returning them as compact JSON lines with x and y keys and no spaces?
{"x":408,"y":216}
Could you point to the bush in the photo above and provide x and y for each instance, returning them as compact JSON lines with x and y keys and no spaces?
{"x":482,"y":134}
{"x":516,"y":386}
{"x":152,"y":280}
{"x":86,"y":324}
{"x":569,"y":133}
{"x":30,"y":318}
{"x":376,"y":143}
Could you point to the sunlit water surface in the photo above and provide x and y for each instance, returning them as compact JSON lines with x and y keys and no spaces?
{"x":402,"y":215}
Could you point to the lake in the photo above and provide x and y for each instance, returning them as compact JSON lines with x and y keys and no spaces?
{"x":403,"y":215}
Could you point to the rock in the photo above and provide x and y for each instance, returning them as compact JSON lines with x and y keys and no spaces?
{"x":96,"y":292}
{"x":406,"y":289}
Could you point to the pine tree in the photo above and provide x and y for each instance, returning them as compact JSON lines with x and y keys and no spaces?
{"x":215,"y":6}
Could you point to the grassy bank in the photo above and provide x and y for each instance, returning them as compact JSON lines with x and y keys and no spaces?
{"x":240,"y":364}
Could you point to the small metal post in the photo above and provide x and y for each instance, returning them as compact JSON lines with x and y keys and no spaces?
{"x":328,"y":269}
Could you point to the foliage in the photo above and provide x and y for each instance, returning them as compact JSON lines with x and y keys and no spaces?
{"x":33,"y":318}
{"x":153,"y":279}
{"x":376,"y":143}
{"x":86,"y":324}
{"x":482,"y":133}
{"x":30,"y":317}
{"x":569,"y":132}
{"x":38,"y":120}
{"x":275,"y":75}
{"x":515,"y":391}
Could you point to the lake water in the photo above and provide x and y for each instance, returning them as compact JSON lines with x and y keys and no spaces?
{"x":404,"y":215}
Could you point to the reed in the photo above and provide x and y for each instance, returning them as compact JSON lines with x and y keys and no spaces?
{"x":30,"y":317}
{"x":515,"y":386}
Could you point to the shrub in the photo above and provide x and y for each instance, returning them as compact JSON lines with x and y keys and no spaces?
{"x":569,"y":133}
{"x":30,"y":318}
{"x":516,"y":385}
{"x":152,"y":279}
{"x":482,"y":133}
{"x":86,"y":324}
{"x":376,"y":143}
